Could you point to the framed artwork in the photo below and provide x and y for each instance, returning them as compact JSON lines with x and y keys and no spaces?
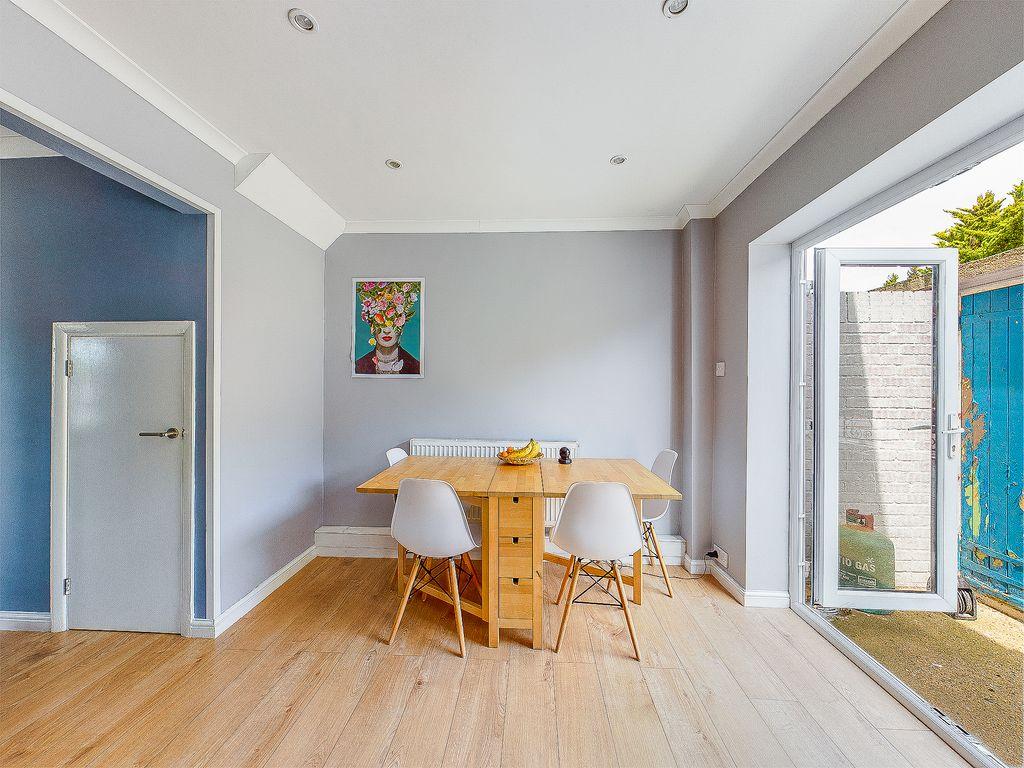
{"x":387,"y":327}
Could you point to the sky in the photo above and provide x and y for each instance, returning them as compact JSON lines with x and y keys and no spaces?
{"x":912,"y":223}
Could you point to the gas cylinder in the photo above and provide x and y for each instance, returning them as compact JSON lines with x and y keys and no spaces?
{"x":867,"y":558}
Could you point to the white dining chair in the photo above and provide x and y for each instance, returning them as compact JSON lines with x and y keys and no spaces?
{"x":655,"y":509}
{"x":598,"y":527}
{"x":430,"y":522}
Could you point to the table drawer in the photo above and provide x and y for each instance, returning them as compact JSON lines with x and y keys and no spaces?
{"x":515,"y":516}
{"x":515,"y":557}
{"x":515,"y":598}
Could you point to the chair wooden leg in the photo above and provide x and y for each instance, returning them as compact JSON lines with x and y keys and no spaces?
{"x":661,"y":560}
{"x":568,"y":602}
{"x":625,"y":609}
{"x":405,"y":598}
{"x":453,"y":581}
{"x":428,"y":563}
{"x":565,"y":578}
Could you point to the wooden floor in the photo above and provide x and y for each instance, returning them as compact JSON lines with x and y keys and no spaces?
{"x":306,"y":680}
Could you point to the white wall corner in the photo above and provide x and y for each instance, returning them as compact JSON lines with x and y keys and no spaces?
{"x":202,"y":628}
{"x":271,"y":185}
{"x":25,"y":621}
{"x":750,"y":598}
{"x":695,"y":566}
{"x":692,"y":211}
{"x":254,"y":598}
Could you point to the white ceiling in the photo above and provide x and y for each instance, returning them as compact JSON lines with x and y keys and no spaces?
{"x":497,"y":110}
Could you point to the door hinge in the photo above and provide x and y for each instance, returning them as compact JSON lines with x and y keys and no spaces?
{"x":68,"y":368}
{"x":67,"y":586}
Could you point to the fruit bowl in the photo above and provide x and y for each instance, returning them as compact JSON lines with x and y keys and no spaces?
{"x":519,"y":462}
{"x":520,"y":457}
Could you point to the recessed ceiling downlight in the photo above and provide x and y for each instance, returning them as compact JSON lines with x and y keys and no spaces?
{"x":617,"y":159}
{"x":302,"y":20}
{"x":392,"y":164}
{"x":673,"y":8}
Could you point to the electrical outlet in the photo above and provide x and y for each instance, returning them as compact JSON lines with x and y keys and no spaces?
{"x":723,"y":556}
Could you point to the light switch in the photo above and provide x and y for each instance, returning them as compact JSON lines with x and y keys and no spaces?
{"x":720,"y":368}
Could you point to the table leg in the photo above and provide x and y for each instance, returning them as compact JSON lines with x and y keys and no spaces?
{"x":489,"y":566}
{"x":400,"y":570}
{"x":538,"y":573}
{"x":638,"y":557}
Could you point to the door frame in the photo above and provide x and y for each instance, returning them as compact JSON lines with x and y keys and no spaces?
{"x":947,"y":165}
{"x":200,"y":627}
{"x":63,"y":332}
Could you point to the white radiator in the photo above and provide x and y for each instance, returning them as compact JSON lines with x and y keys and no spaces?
{"x":474,"y":447}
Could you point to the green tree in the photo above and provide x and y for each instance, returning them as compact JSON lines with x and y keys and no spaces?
{"x":987,"y":227}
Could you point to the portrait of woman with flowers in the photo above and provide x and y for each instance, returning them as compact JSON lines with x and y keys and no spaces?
{"x":387,"y":327}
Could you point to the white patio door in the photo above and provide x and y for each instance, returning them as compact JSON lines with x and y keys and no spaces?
{"x":887,"y":426}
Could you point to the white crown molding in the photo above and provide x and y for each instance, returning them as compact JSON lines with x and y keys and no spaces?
{"x":18,"y":147}
{"x":269,"y":183}
{"x":24,"y":621}
{"x":692,"y":211}
{"x":91,"y":44}
{"x":403,"y":226}
{"x":909,"y":17}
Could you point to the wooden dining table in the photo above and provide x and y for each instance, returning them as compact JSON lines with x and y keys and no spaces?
{"x":511,"y":502}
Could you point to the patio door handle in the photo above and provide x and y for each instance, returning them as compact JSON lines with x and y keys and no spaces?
{"x":952,"y":432}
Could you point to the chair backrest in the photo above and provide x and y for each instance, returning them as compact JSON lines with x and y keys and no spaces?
{"x":663,"y":465}
{"x":429,"y":519}
{"x":395,"y":455}
{"x":598,"y":522}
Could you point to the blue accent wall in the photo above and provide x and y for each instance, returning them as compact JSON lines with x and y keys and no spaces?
{"x":78,"y":246}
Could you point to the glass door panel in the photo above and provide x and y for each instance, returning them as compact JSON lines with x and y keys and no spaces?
{"x":887,"y":426}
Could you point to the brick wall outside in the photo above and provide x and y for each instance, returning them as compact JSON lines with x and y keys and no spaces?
{"x":885,"y":387}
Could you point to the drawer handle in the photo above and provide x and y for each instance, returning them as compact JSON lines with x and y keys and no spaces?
{"x":515,"y":539}
{"x":515,"y":499}
{"x":515,"y":581}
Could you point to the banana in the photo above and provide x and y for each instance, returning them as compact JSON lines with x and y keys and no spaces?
{"x":525,"y":452}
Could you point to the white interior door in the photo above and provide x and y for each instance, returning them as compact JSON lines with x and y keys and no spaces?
{"x":887,"y":425}
{"x":125,"y":490}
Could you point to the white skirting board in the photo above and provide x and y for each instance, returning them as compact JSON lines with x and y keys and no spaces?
{"x":25,"y":621}
{"x":215,"y":627}
{"x":752,"y":598}
{"x":376,"y":541}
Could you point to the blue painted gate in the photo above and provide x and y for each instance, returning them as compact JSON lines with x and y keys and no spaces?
{"x":992,"y":538}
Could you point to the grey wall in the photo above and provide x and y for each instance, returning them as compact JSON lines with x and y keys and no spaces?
{"x":568,"y":335}
{"x":271,"y":306}
{"x":963,"y":47}
{"x":697,"y":331}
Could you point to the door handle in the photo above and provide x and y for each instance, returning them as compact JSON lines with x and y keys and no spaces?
{"x":952,"y":432}
{"x":170,"y":433}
